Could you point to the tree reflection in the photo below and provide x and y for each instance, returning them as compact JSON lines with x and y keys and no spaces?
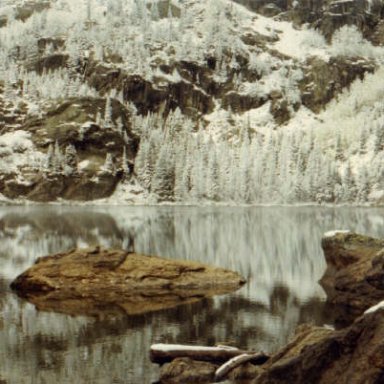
{"x":277,"y":249}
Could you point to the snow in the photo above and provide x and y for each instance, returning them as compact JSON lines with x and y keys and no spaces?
{"x":17,"y":150}
{"x":336,"y":232}
{"x":375,"y":308}
{"x":83,"y":165}
{"x":18,"y":141}
{"x":376,"y":195}
{"x":301,"y":44}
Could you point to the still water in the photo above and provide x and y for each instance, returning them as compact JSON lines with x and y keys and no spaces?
{"x":276,"y":248}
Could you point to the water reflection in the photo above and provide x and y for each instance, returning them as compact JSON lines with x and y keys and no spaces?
{"x":277,"y":249}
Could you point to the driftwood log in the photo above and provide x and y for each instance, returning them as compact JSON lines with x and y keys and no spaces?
{"x":223,"y":371}
{"x":165,"y":353}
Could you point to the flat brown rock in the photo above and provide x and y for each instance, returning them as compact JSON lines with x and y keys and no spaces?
{"x":90,"y":281}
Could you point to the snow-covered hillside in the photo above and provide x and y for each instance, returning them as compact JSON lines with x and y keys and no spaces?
{"x":187,"y":101}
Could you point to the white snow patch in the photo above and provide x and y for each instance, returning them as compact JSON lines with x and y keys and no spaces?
{"x":17,"y":150}
{"x":18,"y":141}
{"x":336,"y":232}
{"x":301,"y":43}
{"x":376,"y":195}
{"x":83,"y":165}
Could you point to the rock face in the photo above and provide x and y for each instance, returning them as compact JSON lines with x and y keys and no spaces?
{"x":325,"y":15}
{"x":99,"y":281}
{"x":354,"y":275}
{"x":354,"y":355}
{"x":217,"y":86}
{"x":68,"y":125}
{"x":323,"y":80}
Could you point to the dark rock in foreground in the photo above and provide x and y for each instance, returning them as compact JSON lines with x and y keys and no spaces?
{"x":100,"y":281}
{"x":354,"y":355}
{"x":354,"y":277}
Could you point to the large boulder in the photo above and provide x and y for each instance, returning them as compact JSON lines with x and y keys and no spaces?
{"x":354,"y":277}
{"x":354,"y":355}
{"x":94,"y":281}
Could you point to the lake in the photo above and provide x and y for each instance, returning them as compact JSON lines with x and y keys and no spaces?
{"x":277,"y":249}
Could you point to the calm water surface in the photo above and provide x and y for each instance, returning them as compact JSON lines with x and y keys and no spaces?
{"x":277,"y":249}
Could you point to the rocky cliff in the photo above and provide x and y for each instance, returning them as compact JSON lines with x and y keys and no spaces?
{"x":91,"y":104}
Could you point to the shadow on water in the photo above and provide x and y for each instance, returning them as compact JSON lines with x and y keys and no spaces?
{"x":277,"y":249}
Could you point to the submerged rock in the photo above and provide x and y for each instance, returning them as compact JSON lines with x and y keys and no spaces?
{"x":101,"y":281}
{"x":354,"y":275}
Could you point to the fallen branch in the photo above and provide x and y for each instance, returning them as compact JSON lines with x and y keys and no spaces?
{"x":165,"y":353}
{"x":223,"y":371}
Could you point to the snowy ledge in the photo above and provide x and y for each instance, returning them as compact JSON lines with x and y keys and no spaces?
{"x":336,"y":232}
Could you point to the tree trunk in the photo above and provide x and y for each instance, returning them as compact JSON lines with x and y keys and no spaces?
{"x":164,"y":353}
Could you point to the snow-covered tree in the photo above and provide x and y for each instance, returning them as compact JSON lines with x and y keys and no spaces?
{"x":108,"y":167}
{"x":70,"y":160}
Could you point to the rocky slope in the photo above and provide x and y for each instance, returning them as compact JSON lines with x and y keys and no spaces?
{"x":118,"y":99}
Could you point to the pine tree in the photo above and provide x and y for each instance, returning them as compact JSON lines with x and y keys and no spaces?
{"x":124,"y":161}
{"x":57,"y":159}
{"x":120,"y":125}
{"x":155,"y":10}
{"x":108,"y":122}
{"x":89,"y":8}
{"x":171,"y":27}
{"x":363,"y":141}
{"x":50,"y":160}
{"x":182,"y":171}
{"x":363,"y":188}
{"x":143,"y":165}
{"x":349,"y":185}
{"x":339,"y":155}
{"x":70,"y":160}
{"x":163,"y":181}
{"x":108,"y":168}
{"x":212,"y":179}
{"x":379,"y":137}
